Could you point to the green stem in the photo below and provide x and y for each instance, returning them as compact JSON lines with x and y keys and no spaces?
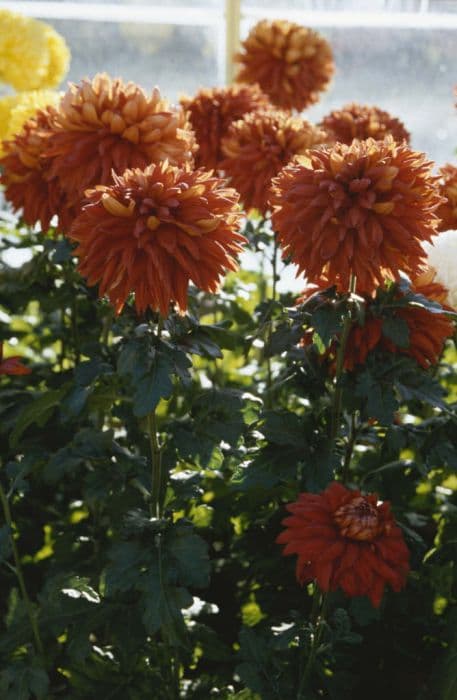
{"x":338,"y":395}
{"x":317,"y":619}
{"x":20,"y":577}
{"x":74,"y":327}
{"x":349,"y":448}
{"x":274,"y":266}
{"x":106,"y":326}
{"x":156,"y":465}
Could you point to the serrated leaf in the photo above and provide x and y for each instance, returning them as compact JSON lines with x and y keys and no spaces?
{"x":153,"y":386}
{"x":397,"y":330}
{"x":39,"y":412}
{"x":22,"y":682}
{"x":189,"y":553}
{"x":327,"y":323}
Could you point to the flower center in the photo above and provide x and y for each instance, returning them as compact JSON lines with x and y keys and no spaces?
{"x":358,"y":520}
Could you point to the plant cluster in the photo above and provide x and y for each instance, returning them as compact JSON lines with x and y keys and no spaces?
{"x":210,"y":488}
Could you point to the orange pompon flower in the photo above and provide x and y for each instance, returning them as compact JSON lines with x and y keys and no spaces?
{"x":354,"y":121}
{"x":361,"y":210}
{"x":258,"y":146}
{"x":346,"y":540}
{"x":212,"y":111}
{"x":25,"y":175}
{"x":447,"y":212}
{"x":12,"y":365}
{"x":104,"y":125}
{"x":155,"y":230}
{"x":292,"y":64}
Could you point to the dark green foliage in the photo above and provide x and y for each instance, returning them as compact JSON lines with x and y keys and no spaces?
{"x":132,"y":601}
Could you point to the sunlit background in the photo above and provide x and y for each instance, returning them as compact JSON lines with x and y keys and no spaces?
{"x":398,"y":54}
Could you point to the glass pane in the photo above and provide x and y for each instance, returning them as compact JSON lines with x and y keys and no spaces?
{"x":176,"y":45}
{"x":388,"y":59}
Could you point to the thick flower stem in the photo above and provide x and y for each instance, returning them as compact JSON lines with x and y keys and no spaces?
{"x":274,"y":268}
{"x":19,"y":575}
{"x":156,"y":465}
{"x":338,"y":395}
{"x":317,"y":621}
{"x":349,"y":448}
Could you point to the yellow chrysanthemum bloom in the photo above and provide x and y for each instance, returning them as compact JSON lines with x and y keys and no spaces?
{"x":15,"y":110}
{"x":59,"y":59}
{"x":32,"y":54}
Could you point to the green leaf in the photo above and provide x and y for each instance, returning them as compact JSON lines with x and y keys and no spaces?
{"x":124,"y":570}
{"x":397,"y":330}
{"x":283,"y":428}
{"x":153,"y":386}
{"x":148,"y":370}
{"x":39,"y":412}
{"x":162,"y":605}
{"x":189,"y":553}
{"x":327,"y":323}
{"x":22,"y":682}
{"x":380,"y":401}
{"x":257,"y":669}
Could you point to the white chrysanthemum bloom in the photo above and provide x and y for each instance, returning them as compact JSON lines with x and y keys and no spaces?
{"x":442,"y":256}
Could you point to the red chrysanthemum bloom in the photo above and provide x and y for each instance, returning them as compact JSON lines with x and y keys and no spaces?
{"x":212,"y":111}
{"x":354,"y":121}
{"x":155,"y":230}
{"x":12,"y":365}
{"x":361,"y":210}
{"x":346,"y":540}
{"x":104,"y":125}
{"x":447,"y":212}
{"x":292,"y":64}
{"x":25,"y":175}
{"x":258,"y":146}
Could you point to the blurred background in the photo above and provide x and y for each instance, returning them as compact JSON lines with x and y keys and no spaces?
{"x":398,"y":54}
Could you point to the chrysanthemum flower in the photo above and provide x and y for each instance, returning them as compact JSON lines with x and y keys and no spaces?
{"x":442,"y":256}
{"x":361,"y":210}
{"x":154,"y":231}
{"x":346,"y":540}
{"x":58,"y":59}
{"x":104,"y":125}
{"x":447,"y":212}
{"x":33,"y":55}
{"x":12,"y":365}
{"x":354,"y":121}
{"x":26,"y":178}
{"x":16,"y":109}
{"x":427,"y":330}
{"x":258,"y":146}
{"x":212,"y":111}
{"x":292,"y":64}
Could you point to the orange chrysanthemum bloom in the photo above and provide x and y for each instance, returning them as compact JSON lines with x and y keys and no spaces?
{"x":292,"y":64}
{"x":361,"y":210}
{"x":258,"y":146}
{"x":155,"y":230}
{"x":25,"y":175}
{"x":212,"y":111}
{"x":447,"y":212}
{"x":346,"y":540}
{"x":12,"y":365}
{"x":354,"y":121}
{"x":104,"y":125}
